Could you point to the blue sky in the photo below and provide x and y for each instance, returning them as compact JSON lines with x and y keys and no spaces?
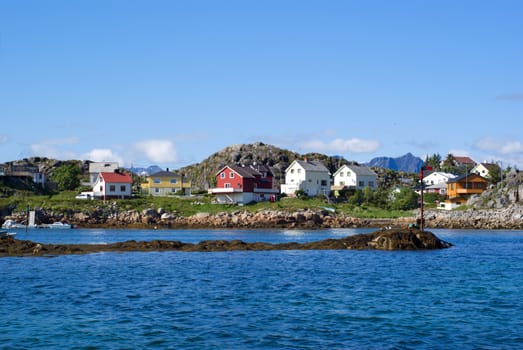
{"x":171,"y":82}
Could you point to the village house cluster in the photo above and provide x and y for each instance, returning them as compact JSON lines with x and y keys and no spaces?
{"x":236,"y":184}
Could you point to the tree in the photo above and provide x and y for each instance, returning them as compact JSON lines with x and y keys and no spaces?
{"x":405,"y":199}
{"x":433,"y":161}
{"x":67,"y":177}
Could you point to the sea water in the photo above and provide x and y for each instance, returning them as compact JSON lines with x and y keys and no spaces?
{"x":469,"y":296}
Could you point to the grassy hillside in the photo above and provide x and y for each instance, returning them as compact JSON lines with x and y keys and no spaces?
{"x":182,"y":206}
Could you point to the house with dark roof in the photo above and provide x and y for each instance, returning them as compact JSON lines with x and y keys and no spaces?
{"x":237,"y":184}
{"x":354,"y":177}
{"x":460,"y":189}
{"x":115,"y":185}
{"x":165,"y":183}
{"x":464,"y":161}
{"x":311,"y":177}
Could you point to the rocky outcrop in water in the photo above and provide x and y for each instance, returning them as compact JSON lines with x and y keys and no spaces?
{"x":403,"y":239}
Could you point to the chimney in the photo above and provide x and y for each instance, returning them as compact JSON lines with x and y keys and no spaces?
{"x":305,"y":159}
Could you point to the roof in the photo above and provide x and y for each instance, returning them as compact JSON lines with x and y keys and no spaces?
{"x":463,"y":177}
{"x":164,"y":173}
{"x":309,"y":165}
{"x":464,"y":160}
{"x":361,"y":170}
{"x":116,"y":177}
{"x":441,"y":173}
{"x":490,"y":166}
{"x":248,"y":171}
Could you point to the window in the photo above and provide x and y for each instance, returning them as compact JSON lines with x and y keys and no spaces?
{"x":371,"y":184}
{"x":112,"y":188}
{"x":174,"y":181}
{"x":156,"y":190}
{"x":299,"y":171}
{"x":292,"y":171}
{"x":123,"y":188}
{"x":324,"y":182}
{"x":361,"y":183}
{"x":173,"y":190}
{"x":227,"y":185}
{"x":157,"y":181}
{"x":222,"y":175}
{"x":231,"y":175}
{"x":342,"y":174}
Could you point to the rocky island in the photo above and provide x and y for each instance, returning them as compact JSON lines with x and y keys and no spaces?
{"x":392,"y":239}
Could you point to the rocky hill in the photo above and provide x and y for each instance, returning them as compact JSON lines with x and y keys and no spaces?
{"x":278,"y":159}
{"x":507,"y":192}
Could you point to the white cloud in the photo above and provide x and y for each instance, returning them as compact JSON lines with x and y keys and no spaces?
{"x":355,"y":145}
{"x":103,"y":155}
{"x":500,"y":146}
{"x":53,"y":148}
{"x":3,"y":139}
{"x":158,"y":151}
{"x":457,"y":153}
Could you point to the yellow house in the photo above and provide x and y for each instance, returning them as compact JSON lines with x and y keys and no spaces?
{"x":165,"y":183}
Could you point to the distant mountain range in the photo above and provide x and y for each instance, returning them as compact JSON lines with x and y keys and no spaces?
{"x":408,"y":163}
{"x":146,"y":171}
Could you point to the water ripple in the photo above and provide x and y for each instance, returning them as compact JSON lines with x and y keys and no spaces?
{"x":468,"y":296}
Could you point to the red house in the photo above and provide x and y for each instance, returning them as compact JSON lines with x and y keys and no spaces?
{"x":113,"y":185}
{"x":243,"y":184}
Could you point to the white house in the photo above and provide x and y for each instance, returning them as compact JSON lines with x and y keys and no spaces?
{"x":95,"y":168}
{"x":437,"y":177}
{"x":311,"y":177}
{"x":113,"y":185}
{"x":485,"y":169}
{"x":355,"y":176}
{"x":436,"y":182}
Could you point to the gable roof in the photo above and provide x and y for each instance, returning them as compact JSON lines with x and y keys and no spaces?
{"x":164,"y":173}
{"x":361,"y":170}
{"x":243,"y":171}
{"x":116,"y":177}
{"x":309,"y":165}
{"x":441,"y":173}
{"x":463,"y":177}
{"x":464,"y":160}
{"x":489,"y":166}
{"x":248,"y":171}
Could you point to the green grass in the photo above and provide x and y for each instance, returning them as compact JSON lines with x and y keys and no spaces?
{"x":185,"y":206}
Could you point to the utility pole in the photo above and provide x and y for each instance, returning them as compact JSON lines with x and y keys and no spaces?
{"x":422,"y":221}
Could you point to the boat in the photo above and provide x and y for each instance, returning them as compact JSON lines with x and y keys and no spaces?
{"x":5,"y":233}
{"x":11,"y":224}
{"x":59,"y":225}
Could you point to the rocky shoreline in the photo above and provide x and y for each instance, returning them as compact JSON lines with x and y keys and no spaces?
{"x":510,"y":217}
{"x":399,"y":239}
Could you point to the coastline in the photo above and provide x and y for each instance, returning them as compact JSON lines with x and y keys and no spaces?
{"x":510,"y":217}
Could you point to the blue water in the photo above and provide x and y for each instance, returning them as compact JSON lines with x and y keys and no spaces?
{"x":469,"y":296}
